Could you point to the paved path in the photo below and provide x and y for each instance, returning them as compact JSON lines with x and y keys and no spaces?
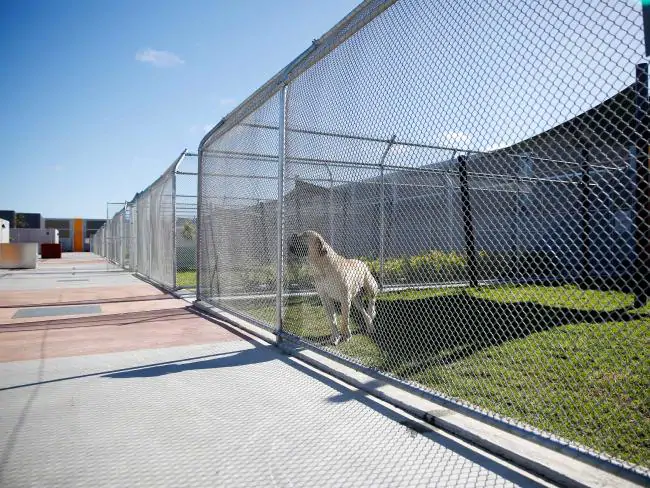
{"x":126,"y":386}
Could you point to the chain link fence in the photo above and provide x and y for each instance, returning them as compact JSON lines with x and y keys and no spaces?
{"x":487,"y":163}
{"x":154,"y":235}
{"x":97,"y":242}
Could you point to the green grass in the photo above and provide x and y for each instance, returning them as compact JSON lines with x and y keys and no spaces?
{"x":569,"y":361}
{"x":186,"y":279}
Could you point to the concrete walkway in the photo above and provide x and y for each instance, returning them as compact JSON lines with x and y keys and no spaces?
{"x":106,"y":381}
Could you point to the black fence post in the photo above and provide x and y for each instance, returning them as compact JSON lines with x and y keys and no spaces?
{"x":642,"y":189}
{"x":585,"y":210}
{"x":470,"y":235}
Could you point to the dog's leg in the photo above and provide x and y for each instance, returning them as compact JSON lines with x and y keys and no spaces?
{"x":356,"y":301}
{"x":372,"y":311}
{"x":330,"y":311}
{"x":345,"y":319}
{"x":371,"y":289}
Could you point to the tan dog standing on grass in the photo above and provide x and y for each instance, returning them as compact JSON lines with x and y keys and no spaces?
{"x":337,"y":279}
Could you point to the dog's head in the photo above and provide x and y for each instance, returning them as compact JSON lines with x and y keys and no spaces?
{"x":305,"y":243}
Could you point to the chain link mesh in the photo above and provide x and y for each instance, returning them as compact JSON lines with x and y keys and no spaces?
{"x":186,"y":222}
{"x":487,"y":161}
{"x":155,"y":234}
{"x":238,"y":219}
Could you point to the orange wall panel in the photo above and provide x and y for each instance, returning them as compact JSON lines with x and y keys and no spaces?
{"x":78,"y":240}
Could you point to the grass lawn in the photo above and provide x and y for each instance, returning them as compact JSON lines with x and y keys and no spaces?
{"x":186,"y":279}
{"x":569,"y":361}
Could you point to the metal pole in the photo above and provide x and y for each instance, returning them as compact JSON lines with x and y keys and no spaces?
{"x":645,"y":6}
{"x":382,"y":212}
{"x":199,"y":218}
{"x":331,"y":204}
{"x":280,"y":213}
{"x":125,"y":237}
{"x":585,"y":199}
{"x":470,"y":236}
{"x":516,"y":219}
{"x":174,"y":251}
{"x":449,"y":188}
{"x":106,"y":236}
{"x":642,"y":189}
{"x":150,"y":237}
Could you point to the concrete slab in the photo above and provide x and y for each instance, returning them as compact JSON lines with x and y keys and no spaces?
{"x":230,"y":414}
{"x":50,"y":311}
{"x":106,"y":333}
{"x":63,"y":293}
{"x":150,"y":393}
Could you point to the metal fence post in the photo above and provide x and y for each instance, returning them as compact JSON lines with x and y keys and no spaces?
{"x":470,"y":236}
{"x":382,"y":212}
{"x":585,"y":209}
{"x":198,"y":220}
{"x":106,"y":236}
{"x":282,"y":125}
{"x":280,"y":212}
{"x":331,"y":204}
{"x":174,"y":250}
{"x":642,"y":188}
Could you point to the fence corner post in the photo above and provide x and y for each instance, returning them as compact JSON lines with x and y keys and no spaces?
{"x":199,"y":199}
{"x":282,"y":126}
{"x":585,"y":211}
{"x":382,"y":211}
{"x":642,"y":188}
{"x":470,"y":235}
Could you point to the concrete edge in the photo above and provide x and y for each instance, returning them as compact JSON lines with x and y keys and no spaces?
{"x":180,"y":293}
{"x":559,"y":467}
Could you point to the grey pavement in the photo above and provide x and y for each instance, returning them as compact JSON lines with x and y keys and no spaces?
{"x":227,"y":414}
{"x":233,"y":412}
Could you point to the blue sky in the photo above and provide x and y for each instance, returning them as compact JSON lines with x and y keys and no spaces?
{"x":98,"y":98}
{"x":468,"y":75}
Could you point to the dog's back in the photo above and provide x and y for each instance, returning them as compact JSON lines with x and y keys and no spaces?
{"x":340,"y":279}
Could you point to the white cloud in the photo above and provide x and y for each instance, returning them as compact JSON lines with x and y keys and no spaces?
{"x":227,"y":102}
{"x":161,"y":59}
{"x":495,"y":146}
{"x":456,"y":137}
{"x":200,"y":129}
{"x":57,"y":167}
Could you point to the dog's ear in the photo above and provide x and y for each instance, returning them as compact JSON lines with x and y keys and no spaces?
{"x":322,"y":250}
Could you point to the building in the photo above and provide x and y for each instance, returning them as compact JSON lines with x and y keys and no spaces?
{"x":22,"y":220}
{"x":74,"y":233}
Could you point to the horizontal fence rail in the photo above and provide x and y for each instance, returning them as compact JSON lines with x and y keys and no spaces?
{"x":475,"y":179}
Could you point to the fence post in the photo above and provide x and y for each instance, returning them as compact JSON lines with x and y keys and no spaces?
{"x":174,"y":252}
{"x":642,"y":188}
{"x":150,"y":238}
{"x":331,"y":205}
{"x":382,"y":213}
{"x":585,"y":209}
{"x":282,"y":126}
{"x":106,"y":234}
{"x":198,"y":221}
{"x":174,"y":236}
{"x":470,"y":236}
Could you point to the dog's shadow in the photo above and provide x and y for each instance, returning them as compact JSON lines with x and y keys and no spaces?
{"x":305,"y":317}
{"x":415,"y":333}
{"x":224,"y":360}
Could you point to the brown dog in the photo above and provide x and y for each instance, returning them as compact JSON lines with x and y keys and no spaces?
{"x":337,"y":279}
